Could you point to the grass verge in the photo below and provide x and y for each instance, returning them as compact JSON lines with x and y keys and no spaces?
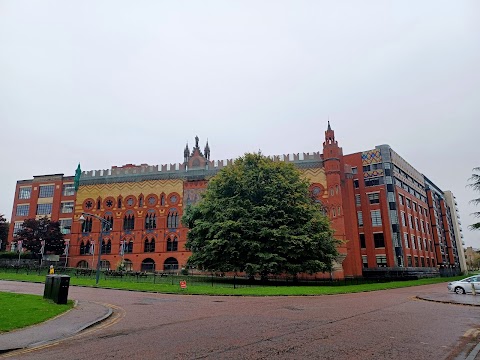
{"x":195,"y":288}
{"x":20,"y":310}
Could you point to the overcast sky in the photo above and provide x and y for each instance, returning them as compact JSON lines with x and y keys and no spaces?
{"x":113,"y":82}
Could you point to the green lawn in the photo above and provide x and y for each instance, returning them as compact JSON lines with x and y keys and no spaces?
{"x":20,"y":310}
{"x":224,"y":288}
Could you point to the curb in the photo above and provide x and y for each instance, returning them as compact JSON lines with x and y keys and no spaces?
{"x":44,"y":342}
{"x":446,"y":301}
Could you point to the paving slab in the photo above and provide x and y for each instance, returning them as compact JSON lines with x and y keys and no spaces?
{"x":82,"y":316}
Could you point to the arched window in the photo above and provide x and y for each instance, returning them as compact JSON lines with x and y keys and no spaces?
{"x":172,"y":244}
{"x":98,"y":204}
{"x":105,"y":265}
{"x":87,"y":225}
{"x":162,"y":199}
{"x":82,"y":264}
{"x":128,"y":265}
{"x":119,"y":203}
{"x":151,"y":220}
{"x":140,"y":201}
{"x":82,"y":248}
{"x":148,"y":265}
{"x":149,"y":245}
{"x":129,"y":247}
{"x":129,"y":221}
{"x":88,"y":248}
{"x":108,"y":217}
{"x":172,"y":219}
{"x":104,"y":247}
{"x":170,"y":264}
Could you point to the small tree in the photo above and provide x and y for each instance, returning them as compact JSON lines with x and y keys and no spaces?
{"x":34,"y":231}
{"x":3,"y":232}
{"x":257,"y":216}
{"x":475,"y":179}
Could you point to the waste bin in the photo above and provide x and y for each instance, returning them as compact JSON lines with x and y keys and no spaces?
{"x":60,"y":287}
{"x":47,"y":292}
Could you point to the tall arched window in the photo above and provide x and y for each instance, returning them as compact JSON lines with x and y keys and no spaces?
{"x":170,"y":264}
{"x":149,"y":245}
{"x":172,"y":219}
{"x":129,"y":221}
{"x":109,"y":247}
{"x":151,"y":220}
{"x":129,"y":247}
{"x":172,"y":244}
{"x":108,"y":217}
{"x":82,"y":264}
{"x":82,"y":248}
{"x":87,"y":225}
{"x":140,"y":201}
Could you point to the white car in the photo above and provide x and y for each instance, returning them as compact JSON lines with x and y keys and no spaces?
{"x":465,"y":285}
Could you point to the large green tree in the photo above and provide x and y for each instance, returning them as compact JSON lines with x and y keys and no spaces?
{"x":3,"y":232}
{"x":34,"y":231}
{"x":257,"y":216}
{"x":475,"y":184}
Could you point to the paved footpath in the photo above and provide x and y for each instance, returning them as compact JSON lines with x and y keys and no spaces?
{"x":82,"y":316}
{"x":215,"y":327}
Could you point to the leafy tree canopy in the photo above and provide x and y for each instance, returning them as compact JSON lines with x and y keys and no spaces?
{"x":257,"y":216}
{"x":3,"y":231}
{"x":475,"y":184}
{"x":34,"y":231}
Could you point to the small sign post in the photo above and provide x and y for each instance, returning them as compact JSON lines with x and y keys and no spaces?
{"x":183,"y":284}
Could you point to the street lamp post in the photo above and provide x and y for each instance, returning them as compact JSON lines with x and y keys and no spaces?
{"x":103,"y":223}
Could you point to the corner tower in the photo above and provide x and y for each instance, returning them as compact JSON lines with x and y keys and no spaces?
{"x":341,"y":207}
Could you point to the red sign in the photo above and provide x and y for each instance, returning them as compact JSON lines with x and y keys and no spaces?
{"x":183,"y":284}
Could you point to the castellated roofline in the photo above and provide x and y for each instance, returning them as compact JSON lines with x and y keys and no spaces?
{"x":181,"y":170}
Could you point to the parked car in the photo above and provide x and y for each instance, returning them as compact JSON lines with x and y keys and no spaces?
{"x":465,"y":285}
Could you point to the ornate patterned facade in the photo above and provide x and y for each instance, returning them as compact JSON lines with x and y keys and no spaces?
{"x":365,"y":196}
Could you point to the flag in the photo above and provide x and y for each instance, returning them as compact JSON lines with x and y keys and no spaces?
{"x":78,"y":173}
{"x":92,"y":248}
{"x":122,"y":248}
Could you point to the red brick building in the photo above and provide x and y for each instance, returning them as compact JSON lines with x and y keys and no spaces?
{"x":378,"y":205}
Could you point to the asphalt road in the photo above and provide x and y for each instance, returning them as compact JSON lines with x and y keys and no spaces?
{"x":389,"y":324}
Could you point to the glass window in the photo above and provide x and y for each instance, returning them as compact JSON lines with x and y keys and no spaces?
{"x":407,"y":242}
{"x":17,"y":226}
{"x":374,"y":198}
{"x":379,"y":240}
{"x":22,"y":210}
{"x":24,"y":193}
{"x":376,"y":217}
{"x":46,"y":191}
{"x":356,"y":183}
{"x":362,"y":241}
{"x":409,"y":203}
{"x":357,"y":200}
{"x":364,"y":261}
{"x":65,"y":226}
{"x":381,"y":260}
{"x":415,"y":206}
{"x":401,"y":199}
{"x":360,"y":218}
{"x":68,"y":190}
{"x":404,"y":219}
{"x":44,"y":209}
{"x":354,"y":170}
{"x":66,"y":207}
{"x":410,"y":221}
{"x":374,"y":181}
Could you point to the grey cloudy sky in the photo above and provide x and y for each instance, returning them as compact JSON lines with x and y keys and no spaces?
{"x":114,"y":82}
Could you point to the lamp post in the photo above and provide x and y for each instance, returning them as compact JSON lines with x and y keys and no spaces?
{"x":103,"y":223}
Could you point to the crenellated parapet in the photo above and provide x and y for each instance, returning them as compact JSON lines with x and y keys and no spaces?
{"x":143,"y":172}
